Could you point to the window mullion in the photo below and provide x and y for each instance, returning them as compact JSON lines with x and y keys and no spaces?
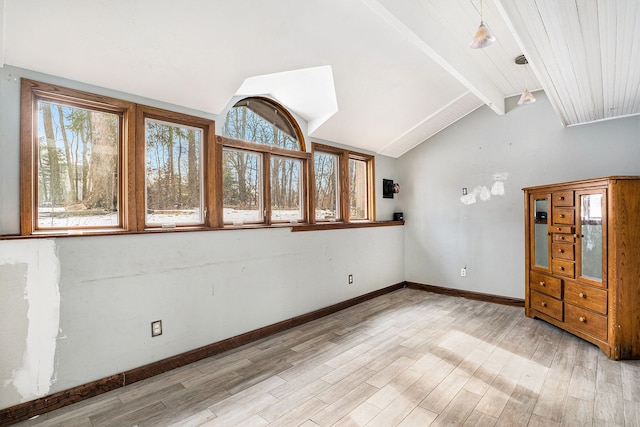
{"x":344,"y":187}
{"x":266,"y":187}
{"x":310,"y":187}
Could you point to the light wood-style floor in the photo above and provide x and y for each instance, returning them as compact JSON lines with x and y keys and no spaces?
{"x":409,"y":358}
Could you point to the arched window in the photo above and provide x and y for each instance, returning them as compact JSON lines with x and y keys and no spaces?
{"x":263,"y":121}
{"x":264,"y":165}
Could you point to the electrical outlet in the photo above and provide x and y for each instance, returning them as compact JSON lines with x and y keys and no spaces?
{"x":464,"y":191}
{"x":463,"y":272}
{"x":156,"y":328}
{"x":350,"y":279}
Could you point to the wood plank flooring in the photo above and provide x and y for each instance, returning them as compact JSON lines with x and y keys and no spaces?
{"x":408,"y":358}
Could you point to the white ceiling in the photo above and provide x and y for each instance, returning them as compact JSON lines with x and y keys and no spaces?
{"x":380,"y":75}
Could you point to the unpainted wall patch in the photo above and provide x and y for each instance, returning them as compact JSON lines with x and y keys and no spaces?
{"x":13,"y":327}
{"x":38,"y":286}
{"x":483,"y":193}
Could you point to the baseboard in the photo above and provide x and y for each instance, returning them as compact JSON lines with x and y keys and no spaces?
{"x":54,"y":401}
{"x":497,"y":299}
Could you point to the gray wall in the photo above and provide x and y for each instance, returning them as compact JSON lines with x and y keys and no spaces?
{"x":528,"y":144}
{"x":77,"y":309}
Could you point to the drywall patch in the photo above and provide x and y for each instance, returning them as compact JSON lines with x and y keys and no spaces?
{"x":13,"y":327}
{"x":483,"y":193}
{"x":32,"y":376}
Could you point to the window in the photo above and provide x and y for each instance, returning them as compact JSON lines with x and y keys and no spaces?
{"x":327,"y":182}
{"x":242,"y":186}
{"x":287,"y":193}
{"x":173,"y":154}
{"x":74,"y":153}
{"x":358,"y":189}
{"x":264,"y":122}
{"x":343,"y":184}
{"x":264,"y":165}
{"x":90,"y":163}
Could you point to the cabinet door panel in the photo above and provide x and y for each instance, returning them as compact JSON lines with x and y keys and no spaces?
{"x":539,"y":232}
{"x":590,"y":246}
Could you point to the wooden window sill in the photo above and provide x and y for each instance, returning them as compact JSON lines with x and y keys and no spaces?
{"x":294,"y":228}
{"x":343,"y":225}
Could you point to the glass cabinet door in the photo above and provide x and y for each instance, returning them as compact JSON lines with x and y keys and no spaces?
{"x":540,"y":236}
{"x":592,"y":211}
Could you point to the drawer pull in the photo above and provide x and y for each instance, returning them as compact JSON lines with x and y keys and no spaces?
{"x":561,"y":251}
{"x":562,"y":238}
{"x":582,"y":295}
{"x":559,"y":228}
{"x":543,"y":284}
{"x":543,"y":303}
{"x":561,"y":268}
{"x":561,"y":215}
{"x":583,"y":319}
{"x":561,"y":197}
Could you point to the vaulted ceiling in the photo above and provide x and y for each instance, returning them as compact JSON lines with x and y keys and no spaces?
{"x":380,"y":75}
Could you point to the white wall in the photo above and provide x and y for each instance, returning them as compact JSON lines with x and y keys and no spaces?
{"x":100,"y":293}
{"x":443,"y":234}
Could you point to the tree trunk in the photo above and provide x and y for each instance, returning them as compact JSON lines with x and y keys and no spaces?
{"x":193,"y":173}
{"x":71,"y":172}
{"x":55,"y":177}
{"x":103,"y":171}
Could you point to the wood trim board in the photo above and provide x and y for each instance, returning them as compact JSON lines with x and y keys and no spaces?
{"x":26,"y":410}
{"x":478,"y":296}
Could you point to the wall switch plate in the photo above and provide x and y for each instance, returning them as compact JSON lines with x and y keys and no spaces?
{"x":156,"y":328}
{"x":463,"y":272}
{"x":350,"y":279}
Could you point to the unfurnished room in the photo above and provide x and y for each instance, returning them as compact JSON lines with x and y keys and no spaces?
{"x":319,"y":213}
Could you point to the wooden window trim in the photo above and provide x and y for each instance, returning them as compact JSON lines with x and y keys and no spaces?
{"x":267,"y":151}
{"x":261,"y":148}
{"x":344,"y":156}
{"x":371,"y":203}
{"x":209,"y":158}
{"x":285,"y":112}
{"x":344,"y":225}
{"x":31,"y":93}
{"x":131,"y":163}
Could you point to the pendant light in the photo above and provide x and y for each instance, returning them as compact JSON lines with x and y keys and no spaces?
{"x":526,"y":97}
{"x":483,"y":36}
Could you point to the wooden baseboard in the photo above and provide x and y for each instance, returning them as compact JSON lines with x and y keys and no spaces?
{"x":54,"y":401}
{"x":515,"y":302}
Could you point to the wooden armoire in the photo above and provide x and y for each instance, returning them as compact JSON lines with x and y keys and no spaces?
{"x":582,"y":249}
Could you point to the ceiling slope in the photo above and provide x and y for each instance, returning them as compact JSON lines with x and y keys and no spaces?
{"x":586,"y":54}
{"x":399,"y":71}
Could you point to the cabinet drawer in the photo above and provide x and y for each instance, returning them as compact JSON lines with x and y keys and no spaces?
{"x":565,"y":229}
{"x":564,"y":216}
{"x":547,"y":305}
{"x":586,"y":321}
{"x":545,"y":284}
{"x":563,"y":267}
{"x":562,"y":198}
{"x":586,"y":296}
{"x":568,"y":238}
{"x":563,"y":250}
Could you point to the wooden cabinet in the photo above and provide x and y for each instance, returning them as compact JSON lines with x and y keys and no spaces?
{"x":582,"y":250}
